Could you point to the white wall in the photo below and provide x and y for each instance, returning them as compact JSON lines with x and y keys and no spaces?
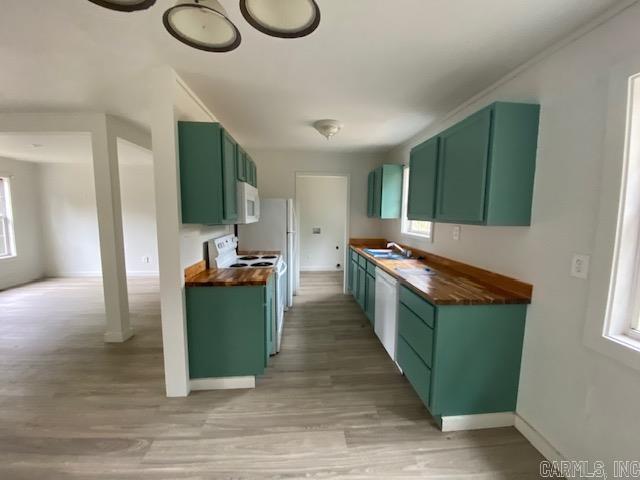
{"x":70,"y":223}
{"x":27,"y":265}
{"x":583,"y":403}
{"x":322,"y":203}
{"x":277,"y":179}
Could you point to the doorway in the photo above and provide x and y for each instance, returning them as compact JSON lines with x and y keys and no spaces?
{"x":322,"y":202}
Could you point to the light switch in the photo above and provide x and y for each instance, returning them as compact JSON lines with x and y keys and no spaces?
{"x":580,"y":266}
{"x":456,"y":232}
{"x":316,"y":230}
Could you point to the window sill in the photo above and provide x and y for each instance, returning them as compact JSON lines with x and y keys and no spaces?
{"x":8,"y":257}
{"x":626,"y":341}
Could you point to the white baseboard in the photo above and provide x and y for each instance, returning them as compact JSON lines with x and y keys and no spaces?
{"x":118,"y":337}
{"x":476,"y":422}
{"x":536,"y":439}
{"x":222,"y":383}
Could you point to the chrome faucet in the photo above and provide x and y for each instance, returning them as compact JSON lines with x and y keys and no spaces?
{"x":405,"y":253}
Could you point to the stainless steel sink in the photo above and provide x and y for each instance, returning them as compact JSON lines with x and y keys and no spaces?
{"x":384,"y":253}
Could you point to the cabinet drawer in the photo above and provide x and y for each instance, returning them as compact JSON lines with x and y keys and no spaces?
{"x":417,"y":305}
{"x":418,"y":374}
{"x":354,"y":255}
{"x":362,"y":261}
{"x":416,"y":333}
{"x":371,"y":268}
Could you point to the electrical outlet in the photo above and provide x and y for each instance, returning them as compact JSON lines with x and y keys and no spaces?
{"x":580,"y":266}
{"x":456,"y":232}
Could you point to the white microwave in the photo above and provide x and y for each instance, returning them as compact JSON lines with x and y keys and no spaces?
{"x":248,"y":203}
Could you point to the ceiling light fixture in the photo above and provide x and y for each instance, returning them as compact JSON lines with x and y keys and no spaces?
{"x":124,"y":5}
{"x":202,"y":24}
{"x":282,"y":18}
{"x":328,"y":128}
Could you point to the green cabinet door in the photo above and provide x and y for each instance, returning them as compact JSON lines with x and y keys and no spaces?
{"x":370,"y":194}
{"x":230,"y":198}
{"x":255,"y":173}
{"x":423,"y":172}
{"x":354,"y":278}
{"x":252,"y":178}
{"x":463,"y":163}
{"x":362,"y":287}
{"x":201,"y":185}
{"x":226,"y":331}
{"x":370,"y":301}
{"x":391,"y":191}
{"x":269,"y":313}
{"x":241,"y":165}
{"x":377,"y":191}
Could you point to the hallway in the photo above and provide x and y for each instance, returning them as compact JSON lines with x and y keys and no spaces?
{"x":331,"y":405}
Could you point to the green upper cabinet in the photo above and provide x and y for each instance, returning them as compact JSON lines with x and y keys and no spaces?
{"x":423,"y":172}
{"x":251,"y":171}
{"x":230,"y":199}
{"x":462,"y":177}
{"x":207,"y":173}
{"x":370,"y":190}
{"x":479,"y":171}
{"x":384,"y":195}
{"x":241,"y":165}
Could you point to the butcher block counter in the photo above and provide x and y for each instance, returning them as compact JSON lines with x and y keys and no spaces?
{"x":450,"y":282}
{"x":199,"y":275}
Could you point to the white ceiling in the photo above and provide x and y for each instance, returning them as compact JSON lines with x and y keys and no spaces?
{"x":384,"y":68}
{"x":65,"y":148}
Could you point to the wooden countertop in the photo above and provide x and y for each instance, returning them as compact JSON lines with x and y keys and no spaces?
{"x":199,"y":276}
{"x":452,"y":283}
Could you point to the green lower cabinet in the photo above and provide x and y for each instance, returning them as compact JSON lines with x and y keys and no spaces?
{"x":229,"y":330}
{"x":361,"y":297}
{"x":469,"y":362}
{"x":370,"y":301}
{"x":269,"y":323}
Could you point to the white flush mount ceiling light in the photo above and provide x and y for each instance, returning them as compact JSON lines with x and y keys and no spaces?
{"x":124,"y":5}
{"x":282,"y":18}
{"x":328,"y":128}
{"x":202,"y":24}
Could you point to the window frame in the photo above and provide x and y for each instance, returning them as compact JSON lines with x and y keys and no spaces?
{"x":405,"y":223}
{"x":615,"y":274}
{"x":6,"y":218}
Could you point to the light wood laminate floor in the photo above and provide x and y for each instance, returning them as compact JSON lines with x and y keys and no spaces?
{"x":331,"y":405}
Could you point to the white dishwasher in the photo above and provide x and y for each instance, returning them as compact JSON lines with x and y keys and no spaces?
{"x":386,"y":324}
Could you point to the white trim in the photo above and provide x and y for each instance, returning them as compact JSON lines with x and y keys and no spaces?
{"x":347,"y":229}
{"x":89,"y":274}
{"x":118,"y":337}
{"x":536,"y":439}
{"x":222,"y":383}
{"x":476,"y":422}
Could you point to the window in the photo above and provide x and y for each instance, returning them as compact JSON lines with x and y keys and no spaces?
{"x":7,"y":248}
{"x":623,"y":322}
{"x":415,"y":228}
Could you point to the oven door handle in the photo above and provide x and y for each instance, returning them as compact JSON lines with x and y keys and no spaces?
{"x":282,"y":269}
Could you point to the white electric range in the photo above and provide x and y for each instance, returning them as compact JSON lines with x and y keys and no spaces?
{"x":223,"y":254}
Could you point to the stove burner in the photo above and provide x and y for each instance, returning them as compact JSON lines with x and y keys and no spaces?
{"x":269,"y":256}
{"x":262,"y":264}
{"x":249,"y":257}
{"x":238,"y":265}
